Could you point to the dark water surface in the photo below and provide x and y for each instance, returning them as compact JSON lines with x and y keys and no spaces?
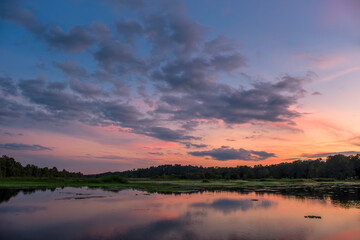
{"x":83,"y":213}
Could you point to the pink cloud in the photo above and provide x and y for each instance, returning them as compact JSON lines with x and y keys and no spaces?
{"x":329,"y":62}
{"x":340,"y":74}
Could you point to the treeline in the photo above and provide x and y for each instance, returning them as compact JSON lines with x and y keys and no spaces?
{"x":337,"y":167}
{"x":11,"y":168}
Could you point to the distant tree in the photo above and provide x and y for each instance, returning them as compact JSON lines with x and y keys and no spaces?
{"x":10,"y":168}
{"x":338,"y":166}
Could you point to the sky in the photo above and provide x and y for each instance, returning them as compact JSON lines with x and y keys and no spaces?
{"x":113,"y":85}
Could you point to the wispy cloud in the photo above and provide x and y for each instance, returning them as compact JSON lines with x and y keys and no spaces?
{"x":23,"y":147}
{"x":156,"y":153}
{"x":326,"y":154}
{"x":339,"y":74}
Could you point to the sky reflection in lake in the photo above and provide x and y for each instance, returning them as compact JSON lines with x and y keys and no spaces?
{"x":82,"y":213}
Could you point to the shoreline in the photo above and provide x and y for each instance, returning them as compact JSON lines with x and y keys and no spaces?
{"x":178,"y":186}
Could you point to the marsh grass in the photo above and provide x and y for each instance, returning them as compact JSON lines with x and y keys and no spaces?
{"x":114,"y":179}
{"x":169,"y":186}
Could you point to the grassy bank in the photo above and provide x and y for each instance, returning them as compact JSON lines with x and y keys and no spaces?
{"x":169,"y":185}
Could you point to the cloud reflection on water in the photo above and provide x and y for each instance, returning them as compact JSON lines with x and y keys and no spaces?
{"x":232,"y":205}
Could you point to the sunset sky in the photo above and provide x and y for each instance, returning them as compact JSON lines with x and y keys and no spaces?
{"x":112,"y":85}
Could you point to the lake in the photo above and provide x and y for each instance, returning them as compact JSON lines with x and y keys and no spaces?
{"x":84,"y":213}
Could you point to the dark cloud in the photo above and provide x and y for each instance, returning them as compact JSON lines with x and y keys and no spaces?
{"x":53,"y":100}
{"x":67,"y":106}
{"x":120,"y":88}
{"x":228,"y":63}
{"x":23,"y":147}
{"x":8,"y":87}
{"x":11,"y":110}
{"x":264,"y":102}
{"x":125,"y":115}
{"x":261,"y":155}
{"x":183,"y":76}
{"x":102,"y":75}
{"x":320,"y":155}
{"x":166,"y":134}
{"x":220,"y":44}
{"x":118,"y":57}
{"x":156,"y":153}
{"x":71,"y":68}
{"x":57,"y":85}
{"x":225,"y":153}
{"x":85,"y":89}
{"x":170,"y":31}
{"x":196,"y":74}
{"x":129,"y":30}
{"x":7,"y":133}
{"x":77,"y":39}
{"x":190,"y":125}
{"x":62,"y":105}
{"x":290,"y":84}
{"x":267,"y":102}
{"x":174,"y":153}
{"x":184,"y":32}
{"x":101,"y":31}
{"x":182,"y":69}
{"x":141,"y":90}
{"x":193,"y":145}
{"x":10,"y":10}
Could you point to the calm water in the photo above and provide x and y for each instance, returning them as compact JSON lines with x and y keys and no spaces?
{"x":82,"y":213}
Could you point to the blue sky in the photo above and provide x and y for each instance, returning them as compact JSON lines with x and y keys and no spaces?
{"x":117,"y":84}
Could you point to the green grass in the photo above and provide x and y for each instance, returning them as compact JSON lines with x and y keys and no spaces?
{"x":166,"y":186}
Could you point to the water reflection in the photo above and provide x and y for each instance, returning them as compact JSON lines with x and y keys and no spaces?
{"x":7,"y":193}
{"x":230,"y":205}
{"x":20,"y":209}
{"x":83,"y":213}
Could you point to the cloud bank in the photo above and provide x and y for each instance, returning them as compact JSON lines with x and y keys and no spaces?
{"x":226,"y":153}
{"x":178,"y":69}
